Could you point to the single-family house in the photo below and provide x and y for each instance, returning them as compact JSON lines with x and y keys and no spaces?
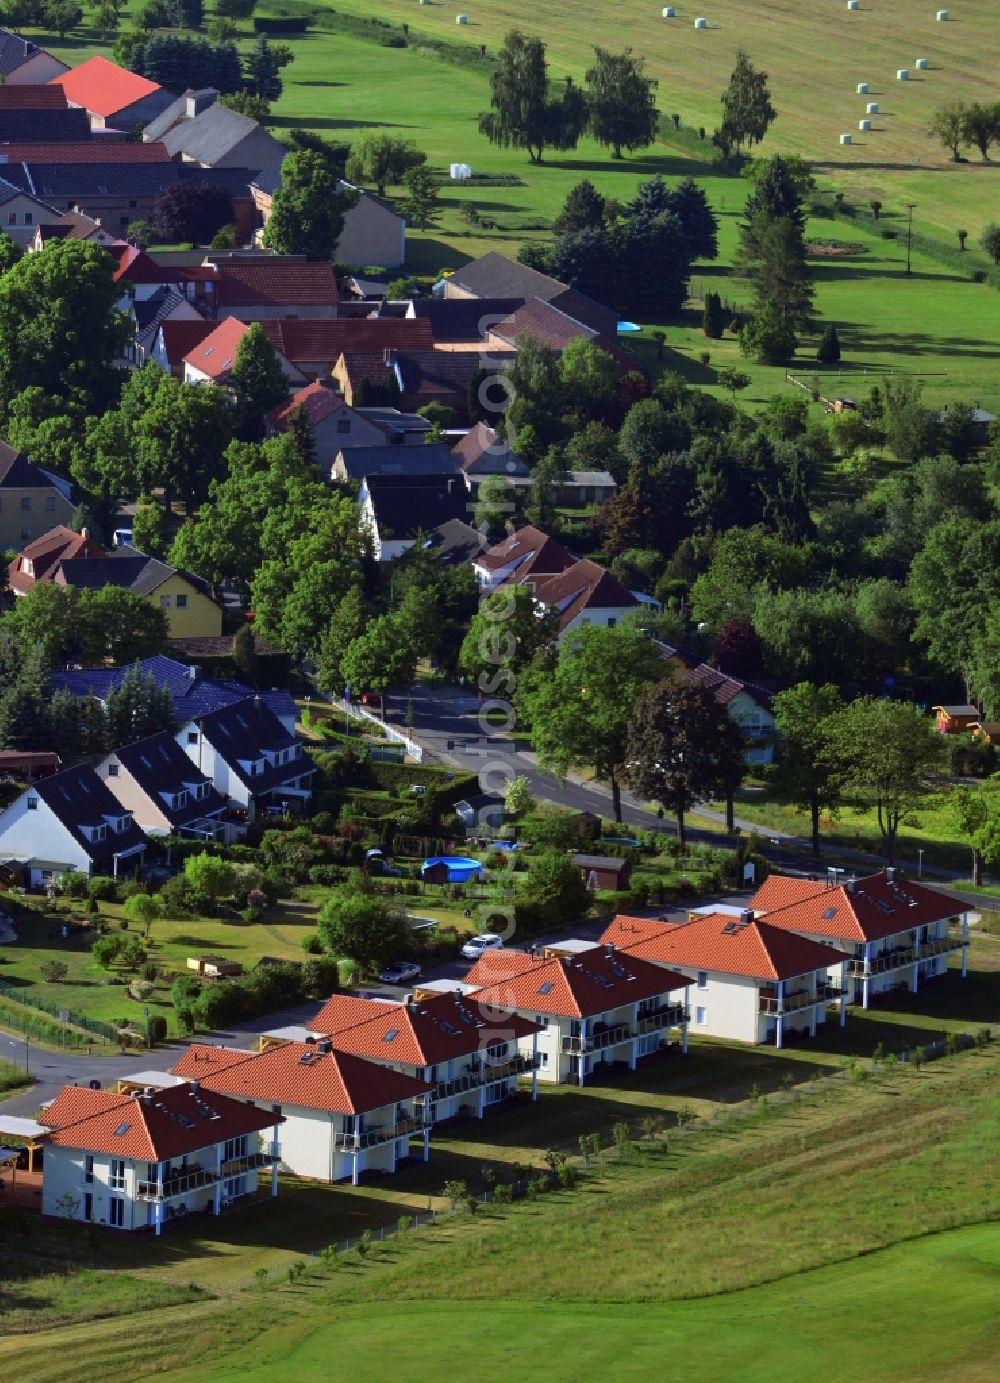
{"x":184,"y":598}
{"x":135,"y":1162}
{"x":579,"y":489}
{"x":584,"y":593}
{"x":396,"y":509}
{"x":956,"y":720}
{"x":250,"y":757}
{"x":606,"y":872}
{"x":598,"y":1006}
{"x":751,"y":982}
{"x":32,"y":500}
{"x":262,"y":288}
{"x":897,"y":933}
{"x":481,"y":453}
{"x":39,"y":559}
{"x":176,"y":338}
{"x":113,"y":97}
{"x":456,"y":542}
{"x":23,"y":63}
{"x":316,"y":345}
{"x":748,"y":704}
{"x":343,"y":1116}
{"x":528,"y":555}
{"x":334,"y":424}
{"x":461,"y":321}
{"x":556,"y":327}
{"x":467,"y":1056}
{"x":495,"y":275}
{"x":149,"y":314}
{"x":374,"y":231}
{"x":69,"y":821}
{"x":357,"y":463}
{"x":71,"y":225}
{"x":22,"y":214}
{"x":212,"y":359}
{"x":166,"y":794}
{"x":192,"y":693}
{"x":215,"y":137}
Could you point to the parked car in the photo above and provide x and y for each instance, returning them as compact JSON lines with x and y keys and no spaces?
{"x":485,"y":941}
{"x":400,"y":972}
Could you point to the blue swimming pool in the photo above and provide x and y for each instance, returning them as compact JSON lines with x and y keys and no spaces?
{"x":460,"y":867}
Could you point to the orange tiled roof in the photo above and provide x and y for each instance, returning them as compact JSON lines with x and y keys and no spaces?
{"x":103,"y":87}
{"x":344,"y":1011}
{"x":59,"y":544}
{"x":275,"y":282}
{"x":298,"y":1073}
{"x":721,"y":943}
{"x":780,"y":890}
{"x":534,"y":551}
{"x":201,"y":1060}
{"x":436,"y":1029}
{"x":870,"y":909}
{"x":581,"y":985}
{"x":215,"y":355}
{"x":166,"y":1124}
{"x":583,"y":586}
{"x":318,"y":400}
{"x":75,"y":1102}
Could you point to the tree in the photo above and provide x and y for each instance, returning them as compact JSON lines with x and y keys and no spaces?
{"x":976,"y":812}
{"x":747,"y":112}
{"x":583,"y":209}
{"x":181,"y":63}
{"x":381,"y":657}
{"x":522,"y":114}
{"x":504,"y":636}
{"x":247,"y":103}
{"x":713,"y":320}
{"x":494,"y":505}
{"x":369,"y":930}
{"x":885,"y":755}
{"x":947,"y":126}
{"x":551,"y":896}
{"x":910,"y":428}
{"x":10,"y":252}
{"x":117,"y":625}
{"x":106,"y":950}
{"x":144,"y":908}
{"x":828,"y":352}
{"x":990,"y":241}
{"x":235,"y":9}
{"x":682,"y":746}
{"x":518,"y":799}
{"x":191,"y":212}
{"x":245,"y":661}
{"x":779,"y":271}
{"x":981,"y":127}
{"x":383,"y":159}
{"x":579,"y":710}
{"x":689,"y":204}
{"x":737,"y":649}
{"x":307,"y":216}
{"x":60,"y":328}
{"x":734,"y":380}
{"x":62,"y":15}
{"x":621,"y":102}
{"x":263,"y":70}
{"x":257,"y":380}
{"x":150,"y":529}
{"x":208,"y":879}
{"x":421,"y":204}
{"x":768,"y":338}
{"x":801,"y":773}
{"x":954,"y":584}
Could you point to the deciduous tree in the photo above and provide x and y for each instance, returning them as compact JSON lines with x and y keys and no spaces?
{"x":801,"y":772}
{"x":307,"y":216}
{"x":621,"y":102}
{"x":522,"y":114}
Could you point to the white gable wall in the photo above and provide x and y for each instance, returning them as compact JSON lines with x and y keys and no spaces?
{"x":38,"y":834}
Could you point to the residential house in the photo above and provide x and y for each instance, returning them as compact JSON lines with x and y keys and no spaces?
{"x":185,"y":599}
{"x":316,"y":346}
{"x":27,"y":765}
{"x":175,"y":338}
{"x":135,"y":1162}
{"x":897,"y":933}
{"x":357,"y":463}
{"x":414,"y":377}
{"x":481,"y":453}
{"x":752,"y":982}
{"x":113,"y":97}
{"x":183,"y":108}
{"x":748,"y":704}
{"x":398,"y":428}
{"x":193,"y":694}
{"x":581,"y":489}
{"x":956,"y":720}
{"x":557,"y":327}
{"x":52,"y":125}
{"x":32,"y":500}
{"x":69,"y":821}
{"x":397,"y":509}
{"x":31,"y":96}
{"x":21,"y":214}
{"x":598,"y":1006}
{"x":528,"y":555}
{"x":166,"y":794}
{"x":260,"y":288}
{"x":494,"y":275}
{"x":212,"y":359}
{"x":986,"y":730}
{"x":584,"y":593}
{"x":216,"y":137}
{"x":250,"y":757}
{"x":467,"y":1057}
{"x":40,"y":558}
{"x":981,"y":423}
{"x":374,"y":231}
{"x":605,"y":872}
{"x":343,"y":1116}
{"x":23,"y":63}
{"x":150,"y":314}
{"x":333,"y":423}
{"x":71,"y":225}
{"x":462,"y":321}
{"x":456,"y":542}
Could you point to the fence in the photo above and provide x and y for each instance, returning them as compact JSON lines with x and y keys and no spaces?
{"x":94,"y":1026}
{"x":414,"y":750}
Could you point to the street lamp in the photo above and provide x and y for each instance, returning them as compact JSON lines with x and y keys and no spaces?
{"x":909,"y":233}
{"x":145,"y":1014}
{"x":920,"y":863}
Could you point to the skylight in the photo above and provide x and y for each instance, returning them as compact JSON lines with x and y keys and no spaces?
{"x":121,"y":1130}
{"x":545,"y":988}
{"x":391,"y":1035}
{"x":829,"y":914}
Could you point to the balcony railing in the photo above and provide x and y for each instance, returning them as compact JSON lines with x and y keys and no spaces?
{"x":668,"y":1017}
{"x":792,"y":1003}
{"x":881,"y":964}
{"x":485,"y":1073}
{"x":178,"y":1185}
{"x":375,"y":1137}
{"x":597,"y":1041}
{"x":266,"y":1157}
{"x":940,"y":946}
{"x":828,"y":992}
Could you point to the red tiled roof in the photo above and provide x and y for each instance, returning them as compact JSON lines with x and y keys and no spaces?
{"x":139,"y":267}
{"x":302,"y":338}
{"x":780,"y":890}
{"x":102,"y":86}
{"x":31,"y":97}
{"x":95,"y":151}
{"x":874,"y":908}
{"x":534,"y":551}
{"x":579,"y":986}
{"x":76,"y":224}
{"x":274,"y":283}
{"x":498,"y":965}
{"x":180,"y":337}
{"x":166,"y":1124}
{"x":45,"y":554}
{"x":201,"y":1060}
{"x":75,"y":1102}
{"x":583,"y":586}
{"x":722,"y":943}
{"x":435,"y":1029}
{"x":344,"y":1011}
{"x":319,"y":401}
{"x":215,"y":354}
{"x":297,"y":1073}
{"x":556,"y":328}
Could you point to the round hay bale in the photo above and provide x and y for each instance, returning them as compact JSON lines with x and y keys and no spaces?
{"x":922,"y":64}
{"x":701,"y":23}
{"x":845,"y":139}
{"x":854,"y":4}
{"x":871,"y":108}
{"x":668,"y":12}
{"x":461,"y":19}
{"x":864,"y":124}
{"x":903,"y":75}
{"x":862,"y":88}
{"x":942,"y":16}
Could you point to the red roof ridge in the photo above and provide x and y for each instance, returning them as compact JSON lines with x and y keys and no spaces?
{"x":102,"y":86}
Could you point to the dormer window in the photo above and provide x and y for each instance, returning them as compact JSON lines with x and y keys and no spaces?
{"x":121,"y":824}
{"x":95,"y":833}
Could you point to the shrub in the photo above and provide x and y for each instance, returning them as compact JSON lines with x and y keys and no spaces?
{"x":54,"y":970}
{"x":157,"y":1029}
{"x":312,"y":944}
{"x":102,"y":890}
{"x":139,"y":990}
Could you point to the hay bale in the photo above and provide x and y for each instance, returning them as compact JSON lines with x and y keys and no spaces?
{"x":701,"y":23}
{"x":922,"y":64}
{"x":862,"y":88}
{"x":461,"y":19}
{"x":871,"y":108}
{"x":854,"y":4}
{"x":668,"y":12}
{"x":845,"y":139}
{"x":903,"y":75}
{"x":864,"y":124}
{"x":942,"y":16}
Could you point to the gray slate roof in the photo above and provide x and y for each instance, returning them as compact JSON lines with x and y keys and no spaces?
{"x":213,"y":135}
{"x":15,"y":52}
{"x":159,"y":765}
{"x":79,"y":798}
{"x":435,"y":459}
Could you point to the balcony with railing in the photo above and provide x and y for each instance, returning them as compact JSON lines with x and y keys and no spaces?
{"x":791,"y":1003}
{"x":249,"y":1162}
{"x":885,"y":961}
{"x":348,"y":1141}
{"x":941,"y":945}
{"x":177,"y":1184}
{"x":827,"y":993}
{"x":599,"y":1039}
{"x":669,"y":1016}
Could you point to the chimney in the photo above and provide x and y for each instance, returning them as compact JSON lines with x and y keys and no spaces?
{"x":325,"y":1047}
{"x":890,"y":875}
{"x":195,"y":1087}
{"x":609,"y":949}
{"x":407,"y":1000}
{"x":4,"y":158}
{"x":192,"y":672}
{"x":746,"y":916}
{"x":567,"y":962}
{"x":84,"y":534}
{"x":851,"y":885}
{"x":147,"y":1096}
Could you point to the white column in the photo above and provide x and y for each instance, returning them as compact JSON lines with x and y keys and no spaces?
{"x":354,"y":1167}
{"x":274,"y":1165}
{"x":218,"y":1197}
{"x":866,"y":981}
{"x":684,"y":1038}
{"x":779,"y":1037}
{"x":158,"y":1216}
{"x":427,"y":1145}
{"x":534,"y":1066}
{"x":633,"y":1054}
{"x":843,"y":996}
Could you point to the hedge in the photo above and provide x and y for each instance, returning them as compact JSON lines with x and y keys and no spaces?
{"x":281,"y":26}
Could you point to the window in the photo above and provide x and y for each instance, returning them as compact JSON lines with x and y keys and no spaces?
{"x":702,"y":979}
{"x":343,"y":424}
{"x":192,"y":737}
{"x":116,"y":1212}
{"x":133,"y":205}
{"x":123,"y":220}
{"x":50,"y":504}
{"x":88,"y":1168}
{"x":182,"y":602}
{"x":28,"y":218}
{"x":543,"y":1060}
{"x":234,"y":1147}
{"x":25,"y":531}
{"x":701,"y":1016}
{"x":164,"y":602}
{"x":12,"y":219}
{"x":112,"y":770}
{"x":116,"y":1179}
{"x":25,"y":504}
{"x":32,"y":804}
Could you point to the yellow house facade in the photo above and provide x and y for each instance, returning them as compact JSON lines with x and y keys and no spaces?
{"x":31,"y":500}
{"x":190,"y":613}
